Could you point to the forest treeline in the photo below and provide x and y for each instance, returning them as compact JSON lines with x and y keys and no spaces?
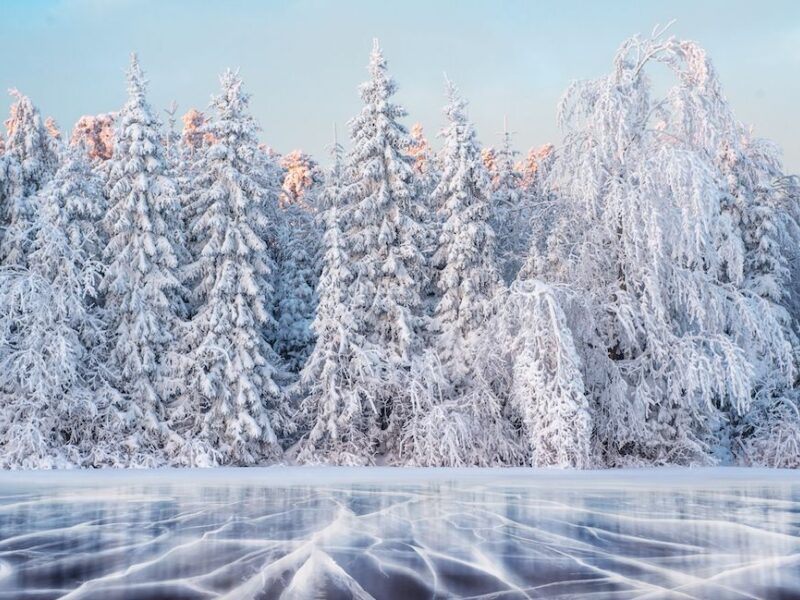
{"x":626,"y":297}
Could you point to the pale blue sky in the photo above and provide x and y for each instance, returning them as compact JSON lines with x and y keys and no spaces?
{"x":302,"y":60}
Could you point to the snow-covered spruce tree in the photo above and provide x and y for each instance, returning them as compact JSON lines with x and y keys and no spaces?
{"x":381,"y":227}
{"x":177,"y":168}
{"x":55,"y":138}
{"x":231,"y":408}
{"x":44,"y":402}
{"x":297,"y":277}
{"x":76,"y":195}
{"x":31,"y":157}
{"x":642,"y":234}
{"x":298,"y":248}
{"x":510,"y":214}
{"x":271,"y":175}
{"x":172,"y":139}
{"x":141,"y":288}
{"x":465,"y":272}
{"x":58,"y":409}
{"x":426,"y":171}
{"x":338,"y":381}
{"x":425,"y":161}
{"x":195,"y":138}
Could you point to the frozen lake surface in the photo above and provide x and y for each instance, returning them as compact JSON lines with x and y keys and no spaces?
{"x":400,"y":534}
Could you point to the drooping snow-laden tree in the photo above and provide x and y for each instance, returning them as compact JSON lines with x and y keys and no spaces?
{"x":547,"y":394}
{"x":383,"y":236}
{"x":461,"y":427}
{"x":760,"y":205}
{"x":465,"y":271}
{"x":141,"y":286}
{"x":754,"y":187}
{"x":6,"y":172}
{"x":510,"y":213}
{"x":31,"y":159}
{"x":769,"y":435}
{"x":46,"y":405}
{"x":58,"y":409}
{"x":338,"y":381}
{"x":642,"y":233}
{"x":231,"y":407}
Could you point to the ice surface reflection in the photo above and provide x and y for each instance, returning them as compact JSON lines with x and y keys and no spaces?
{"x":516,"y":536}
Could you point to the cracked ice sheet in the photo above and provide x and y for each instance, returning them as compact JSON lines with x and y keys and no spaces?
{"x":298,"y":532}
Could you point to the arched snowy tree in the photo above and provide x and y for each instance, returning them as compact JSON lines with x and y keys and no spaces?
{"x":141,"y":287}
{"x":31,"y":157}
{"x":642,"y":233}
{"x":231,"y":407}
{"x":465,"y":275}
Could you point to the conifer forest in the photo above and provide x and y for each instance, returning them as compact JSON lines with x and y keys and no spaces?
{"x":175,"y":293}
